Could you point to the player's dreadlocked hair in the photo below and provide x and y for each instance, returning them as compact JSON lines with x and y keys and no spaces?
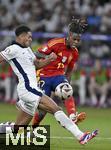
{"x":78,"y":26}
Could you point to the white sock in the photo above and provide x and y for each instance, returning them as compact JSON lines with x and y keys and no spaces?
{"x":102,"y":100}
{"x":94,"y":99}
{"x":68,"y":124}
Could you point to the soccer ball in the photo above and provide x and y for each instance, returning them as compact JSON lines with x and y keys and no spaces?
{"x":64,"y":91}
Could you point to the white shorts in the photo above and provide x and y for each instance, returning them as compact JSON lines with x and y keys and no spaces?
{"x":29,"y":102}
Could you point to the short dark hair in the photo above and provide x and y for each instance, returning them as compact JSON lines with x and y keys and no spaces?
{"x":21,"y":29}
{"x":77,"y":26}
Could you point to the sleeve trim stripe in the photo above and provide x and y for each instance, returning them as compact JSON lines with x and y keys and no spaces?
{"x":4,"y":56}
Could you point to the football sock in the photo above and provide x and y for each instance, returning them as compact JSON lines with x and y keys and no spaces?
{"x":35,"y":120}
{"x":38,"y":117}
{"x":70,"y":105}
{"x":102,"y":100}
{"x":68,"y":124}
{"x":94,"y":99}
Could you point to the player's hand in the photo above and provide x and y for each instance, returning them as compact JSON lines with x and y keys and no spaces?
{"x":52,"y":56}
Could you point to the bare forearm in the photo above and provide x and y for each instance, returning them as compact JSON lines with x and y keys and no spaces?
{"x":39,"y":63}
{"x":42,"y":63}
{"x":40,"y":55}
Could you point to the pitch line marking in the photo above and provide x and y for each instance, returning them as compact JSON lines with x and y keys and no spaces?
{"x":72,"y":138}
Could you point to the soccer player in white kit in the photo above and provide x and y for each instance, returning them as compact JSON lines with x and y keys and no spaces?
{"x":23,"y":62}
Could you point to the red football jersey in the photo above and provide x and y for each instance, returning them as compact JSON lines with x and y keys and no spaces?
{"x":65,"y":57}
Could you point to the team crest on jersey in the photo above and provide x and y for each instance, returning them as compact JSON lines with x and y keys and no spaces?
{"x":44,"y":49}
{"x":7,"y":50}
{"x":64,"y":59}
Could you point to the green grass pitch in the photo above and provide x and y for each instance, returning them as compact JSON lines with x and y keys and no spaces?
{"x":62,"y":139}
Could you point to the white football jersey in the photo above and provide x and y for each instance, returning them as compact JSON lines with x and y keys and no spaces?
{"x":22,"y":62}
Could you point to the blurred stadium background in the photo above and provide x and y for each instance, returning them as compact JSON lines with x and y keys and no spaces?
{"x":49,"y":19}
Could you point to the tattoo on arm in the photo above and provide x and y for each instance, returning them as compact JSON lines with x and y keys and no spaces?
{"x":40,"y":55}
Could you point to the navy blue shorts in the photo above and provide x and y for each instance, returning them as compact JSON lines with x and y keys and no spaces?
{"x":48,"y":84}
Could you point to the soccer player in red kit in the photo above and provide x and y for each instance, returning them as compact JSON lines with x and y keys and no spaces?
{"x":60,"y":70}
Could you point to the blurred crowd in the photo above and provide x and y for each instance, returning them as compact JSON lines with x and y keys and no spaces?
{"x":53,"y":16}
{"x":92,"y":84}
{"x":8,"y":84}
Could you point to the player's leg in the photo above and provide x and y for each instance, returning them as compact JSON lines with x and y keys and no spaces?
{"x":27,"y":109}
{"x":23,"y":118}
{"x":53,"y":82}
{"x":72,"y":112}
{"x":82,"y":88}
{"x":27,"y":106}
{"x":104,"y":91}
{"x":70,"y":102}
{"x":92,"y":87}
{"x":46,"y":84}
{"x":38,"y":117}
{"x":46,"y":103}
{"x":7,"y":85}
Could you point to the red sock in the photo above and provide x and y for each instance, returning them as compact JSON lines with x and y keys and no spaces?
{"x":70,"y":105}
{"x":36,"y":120}
{"x":38,"y":117}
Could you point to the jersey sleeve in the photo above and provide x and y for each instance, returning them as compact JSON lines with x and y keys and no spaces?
{"x":9,"y":53}
{"x":45,"y":49}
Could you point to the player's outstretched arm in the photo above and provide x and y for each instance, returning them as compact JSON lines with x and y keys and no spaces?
{"x":40,"y":55}
{"x":40,"y":63}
